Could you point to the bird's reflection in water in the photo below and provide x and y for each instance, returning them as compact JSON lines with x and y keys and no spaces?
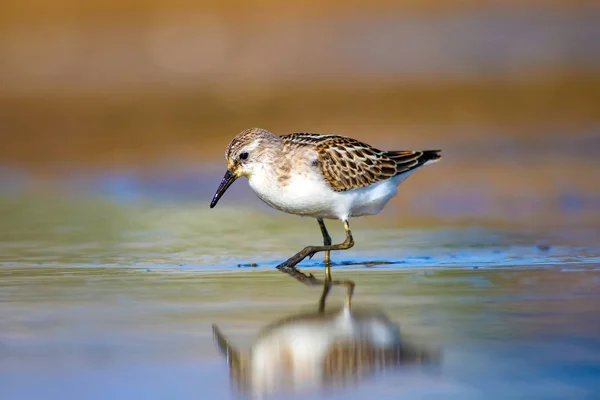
{"x":320,"y":350}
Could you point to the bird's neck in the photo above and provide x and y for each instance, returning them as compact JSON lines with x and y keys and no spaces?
{"x":272,"y":162}
{"x":265,"y":176}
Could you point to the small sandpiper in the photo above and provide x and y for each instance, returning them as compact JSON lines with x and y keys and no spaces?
{"x":320,"y":176}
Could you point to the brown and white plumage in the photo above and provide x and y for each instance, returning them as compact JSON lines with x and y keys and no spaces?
{"x":347,"y":163}
{"x":323,"y":176}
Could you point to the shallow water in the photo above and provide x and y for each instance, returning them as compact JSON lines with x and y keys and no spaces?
{"x":115,"y":299}
{"x":113,"y":269}
{"x":134,"y":333}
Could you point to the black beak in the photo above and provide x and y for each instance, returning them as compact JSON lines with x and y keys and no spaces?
{"x":227,"y":180}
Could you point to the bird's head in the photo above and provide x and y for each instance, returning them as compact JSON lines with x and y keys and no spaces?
{"x":247,"y":151}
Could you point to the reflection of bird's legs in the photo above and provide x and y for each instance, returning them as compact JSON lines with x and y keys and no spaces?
{"x":310,"y":280}
{"x":326,"y":287}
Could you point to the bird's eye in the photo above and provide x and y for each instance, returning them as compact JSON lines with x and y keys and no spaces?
{"x":243,"y":155}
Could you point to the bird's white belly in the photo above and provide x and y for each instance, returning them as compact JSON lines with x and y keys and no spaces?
{"x":310,"y":195}
{"x":302,"y":195}
{"x":370,"y":200}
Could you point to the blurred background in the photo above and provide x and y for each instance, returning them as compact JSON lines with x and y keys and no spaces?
{"x":114,"y":117}
{"x":140,"y":98}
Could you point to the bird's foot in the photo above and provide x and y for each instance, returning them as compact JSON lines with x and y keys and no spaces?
{"x":298,"y":257}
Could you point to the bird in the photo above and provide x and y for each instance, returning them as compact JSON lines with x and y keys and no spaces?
{"x":324,"y":176}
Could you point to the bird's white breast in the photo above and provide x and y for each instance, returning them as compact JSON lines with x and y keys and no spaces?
{"x":306,"y":193}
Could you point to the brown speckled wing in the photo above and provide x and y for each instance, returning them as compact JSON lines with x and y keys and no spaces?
{"x":347,"y":163}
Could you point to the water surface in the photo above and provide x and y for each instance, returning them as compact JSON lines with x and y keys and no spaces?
{"x":122,"y":333}
{"x":115,"y":299}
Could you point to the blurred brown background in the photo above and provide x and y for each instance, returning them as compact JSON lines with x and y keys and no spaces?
{"x":114,"y":116}
{"x":509,"y":89}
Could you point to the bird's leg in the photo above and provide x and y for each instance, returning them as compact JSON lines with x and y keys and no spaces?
{"x":326,"y":239}
{"x":289,"y":267}
{"x":327,"y":283}
{"x":312,"y":250}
